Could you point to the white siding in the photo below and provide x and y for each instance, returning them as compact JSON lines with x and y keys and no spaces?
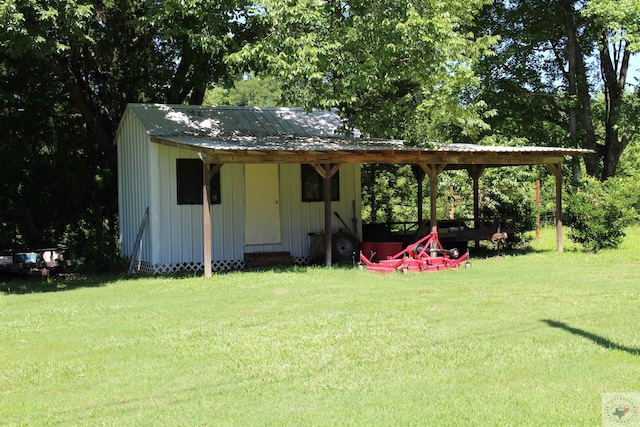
{"x":133,"y":184}
{"x":179,"y":233}
{"x":179,"y":229}
{"x":301,"y":218}
{"x":173,"y":237}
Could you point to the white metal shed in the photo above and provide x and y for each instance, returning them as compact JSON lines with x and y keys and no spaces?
{"x":261,"y":206}
{"x":273,"y":172}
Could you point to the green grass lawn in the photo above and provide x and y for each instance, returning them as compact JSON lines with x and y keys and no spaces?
{"x":531,"y":339}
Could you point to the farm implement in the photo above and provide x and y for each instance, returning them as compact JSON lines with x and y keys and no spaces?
{"x":39,"y":262}
{"x":425,"y":255}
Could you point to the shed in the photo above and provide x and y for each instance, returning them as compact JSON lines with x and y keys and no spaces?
{"x":263,"y":172}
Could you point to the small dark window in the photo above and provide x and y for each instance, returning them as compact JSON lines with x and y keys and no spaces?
{"x":313,"y":185}
{"x":189,"y":177}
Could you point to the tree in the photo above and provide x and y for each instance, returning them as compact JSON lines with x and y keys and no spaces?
{"x":393,"y":69}
{"x":619,"y":26}
{"x":541,"y":79}
{"x":68,"y":70}
{"x":248,"y":91}
{"x":384,"y":64}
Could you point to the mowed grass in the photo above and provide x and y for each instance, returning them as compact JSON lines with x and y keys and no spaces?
{"x":531,"y":339}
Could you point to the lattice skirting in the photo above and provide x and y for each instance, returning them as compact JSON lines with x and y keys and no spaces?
{"x":219,"y":266}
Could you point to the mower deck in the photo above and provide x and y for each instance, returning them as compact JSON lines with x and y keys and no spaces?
{"x":425,"y":255}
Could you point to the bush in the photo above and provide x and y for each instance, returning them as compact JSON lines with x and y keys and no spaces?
{"x":598,"y":212}
{"x":96,"y":249}
{"x":508,"y":199}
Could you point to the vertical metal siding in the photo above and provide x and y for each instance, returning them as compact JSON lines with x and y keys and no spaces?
{"x":154,"y":193}
{"x":180,"y":226}
{"x":301,"y":218}
{"x":133,"y":144}
{"x":175,"y":232}
{"x":147,"y":178}
{"x":229,"y":216}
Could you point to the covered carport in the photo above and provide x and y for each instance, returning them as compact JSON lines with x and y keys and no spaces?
{"x":326,"y":154}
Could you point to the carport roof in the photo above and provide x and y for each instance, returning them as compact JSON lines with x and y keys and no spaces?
{"x":291,"y":135}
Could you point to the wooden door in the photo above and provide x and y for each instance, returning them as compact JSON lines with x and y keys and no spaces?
{"x":262,"y":204}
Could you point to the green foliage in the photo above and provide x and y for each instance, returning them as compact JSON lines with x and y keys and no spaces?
{"x":388,"y":193}
{"x":462,"y":201}
{"x":378,"y":62}
{"x":96,"y":251}
{"x":519,"y":80}
{"x":46,"y":175}
{"x":67,"y":70}
{"x":630,"y":161}
{"x":250,"y":91}
{"x":551,"y":59}
{"x":508,"y":198}
{"x":621,"y":18}
{"x":598,"y":212}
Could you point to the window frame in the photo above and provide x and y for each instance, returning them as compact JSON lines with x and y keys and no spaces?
{"x":312,"y":184}
{"x":189,"y":183}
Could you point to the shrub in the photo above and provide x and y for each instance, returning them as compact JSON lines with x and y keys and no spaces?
{"x":508,"y":199}
{"x":95,"y":248}
{"x":598,"y":212}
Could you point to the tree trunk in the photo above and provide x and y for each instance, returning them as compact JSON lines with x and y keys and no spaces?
{"x":180,"y":88}
{"x":101,"y":127}
{"x":579,"y":88}
{"x":613,"y":91}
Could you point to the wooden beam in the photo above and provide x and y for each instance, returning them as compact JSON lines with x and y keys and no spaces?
{"x":556,"y":169}
{"x":453,"y":159}
{"x":206,"y":217}
{"x":356,"y":154}
{"x":320,"y":169}
{"x":327,"y":214}
{"x":334,"y":169}
{"x":475,"y":172}
{"x":433,"y":170}
{"x":322,"y":172}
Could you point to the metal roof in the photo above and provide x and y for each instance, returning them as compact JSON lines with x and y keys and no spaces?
{"x":222,"y":131}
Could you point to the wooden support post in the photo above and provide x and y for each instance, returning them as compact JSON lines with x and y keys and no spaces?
{"x":475,"y":172}
{"x":327,"y":214}
{"x":433,"y":200}
{"x":433,"y":171}
{"x":206,"y":217}
{"x":556,"y":169}
{"x":419,"y":174}
{"x":326,"y":172}
{"x":537,"y":209}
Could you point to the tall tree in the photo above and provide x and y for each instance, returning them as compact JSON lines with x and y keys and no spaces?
{"x":618,"y":24}
{"x":384,"y":64}
{"x":393,"y":69}
{"x":545,"y":73}
{"x":96,"y":56}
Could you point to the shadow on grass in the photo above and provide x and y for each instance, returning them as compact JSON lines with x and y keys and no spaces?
{"x":20,"y":284}
{"x":597,"y":339}
{"x":485,"y":252}
{"x":17,"y":284}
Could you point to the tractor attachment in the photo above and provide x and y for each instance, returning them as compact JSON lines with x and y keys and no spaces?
{"x":424,"y":255}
